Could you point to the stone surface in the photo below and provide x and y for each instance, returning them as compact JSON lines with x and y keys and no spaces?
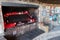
{"x":30,"y":35}
{"x":56,"y":38}
{"x":26,"y":36}
{"x":2,"y":38}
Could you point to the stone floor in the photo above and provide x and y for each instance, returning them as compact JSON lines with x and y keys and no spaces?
{"x":28,"y":35}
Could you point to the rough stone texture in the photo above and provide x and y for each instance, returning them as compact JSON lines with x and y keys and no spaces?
{"x":20,"y":29}
{"x":2,"y":38}
{"x":1,"y":22}
{"x":30,"y":35}
{"x":27,"y":36}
